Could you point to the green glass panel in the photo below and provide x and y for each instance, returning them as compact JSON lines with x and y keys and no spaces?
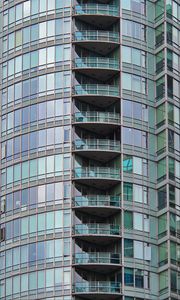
{"x":128,"y":191}
{"x":41,"y":279}
{"x":171,"y":164}
{"x":128,"y":220}
{"x":24,"y":226}
{"x":32,"y":224}
{"x":161,"y":169}
{"x":50,"y":165}
{"x":159,"y":8}
{"x":160,"y":113}
{"x":162,"y":224}
{"x":49,"y":278}
{"x":161,"y":142}
{"x":173,"y":251}
{"x":25,"y":170}
{"x":128,"y":248}
{"x":50,"y":220}
{"x":128,"y":164}
{"x":33,"y":168}
{"x":9,"y":175}
{"x":32,"y":281}
{"x":163,"y":280}
{"x":163,"y":253}
{"x":41,"y":222}
{"x":41,"y":167}
{"x":169,"y":8}
{"x":58,"y":219}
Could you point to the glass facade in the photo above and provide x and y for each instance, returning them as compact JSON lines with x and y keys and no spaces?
{"x":90,"y":169}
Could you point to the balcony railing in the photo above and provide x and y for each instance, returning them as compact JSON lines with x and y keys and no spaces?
{"x":97,"y":62}
{"x":96,"y":258}
{"x":96,"y":144}
{"x":97,"y":172}
{"x":96,"y":200}
{"x":103,"y":287}
{"x":97,"y":117}
{"x":96,"y":9}
{"x":96,"y":89}
{"x":96,"y":35}
{"x":96,"y":229}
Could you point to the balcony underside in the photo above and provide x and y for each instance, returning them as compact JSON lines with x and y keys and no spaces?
{"x":100,"y":183}
{"x":98,"y":20}
{"x":98,"y":46}
{"x":98,"y":239}
{"x":104,"y":1}
{"x":98,"y":210}
{"x":102,"y":156}
{"x":97,"y":73}
{"x":100,"y":296}
{"x":98,"y":100}
{"x":98,"y":268}
{"x":102,"y":129}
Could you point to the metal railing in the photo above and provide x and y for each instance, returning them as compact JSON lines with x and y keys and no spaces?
{"x":96,"y":229}
{"x":96,"y":258}
{"x":96,"y":9}
{"x":96,"y":144}
{"x":97,"y":62}
{"x":96,"y":35}
{"x":97,"y":117}
{"x":96,"y":89}
{"x":97,"y":172}
{"x":104,"y":287}
{"x":96,"y":200}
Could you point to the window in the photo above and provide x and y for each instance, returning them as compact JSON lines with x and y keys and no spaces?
{"x":128,"y":248}
{"x":128,"y":220}
{"x":139,"y":278}
{"x":136,"y":277}
{"x":135,"y":110}
{"x":163,"y":254}
{"x":134,"y":29}
{"x":128,"y":277}
{"x":162,"y":198}
{"x":128,"y":191}
{"x":133,"y":56}
{"x":134,"y":83}
{"x":134,"y":137}
{"x":159,"y":35}
{"x":162,"y":225}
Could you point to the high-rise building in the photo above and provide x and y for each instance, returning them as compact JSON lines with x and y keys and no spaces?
{"x":90,"y":144}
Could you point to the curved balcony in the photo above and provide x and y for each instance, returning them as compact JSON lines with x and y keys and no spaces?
{"x":99,"y":41}
{"x":97,"y":67}
{"x":97,"y":94}
{"x":104,"y":205}
{"x":97,"y":14}
{"x":96,"y":121}
{"x":100,"y":233}
{"x":97,"y":261}
{"x":99,"y":177}
{"x":99,"y":149}
{"x":98,"y":290}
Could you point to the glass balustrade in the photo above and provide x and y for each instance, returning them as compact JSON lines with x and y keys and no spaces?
{"x":97,"y":172}
{"x":97,"y":229}
{"x":97,"y":200}
{"x":97,"y":117}
{"x":97,"y":287}
{"x":96,"y":258}
{"x":96,"y":144}
{"x":97,"y":62}
{"x":96,"y":89}
{"x":96,"y":35}
{"x":96,"y":9}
